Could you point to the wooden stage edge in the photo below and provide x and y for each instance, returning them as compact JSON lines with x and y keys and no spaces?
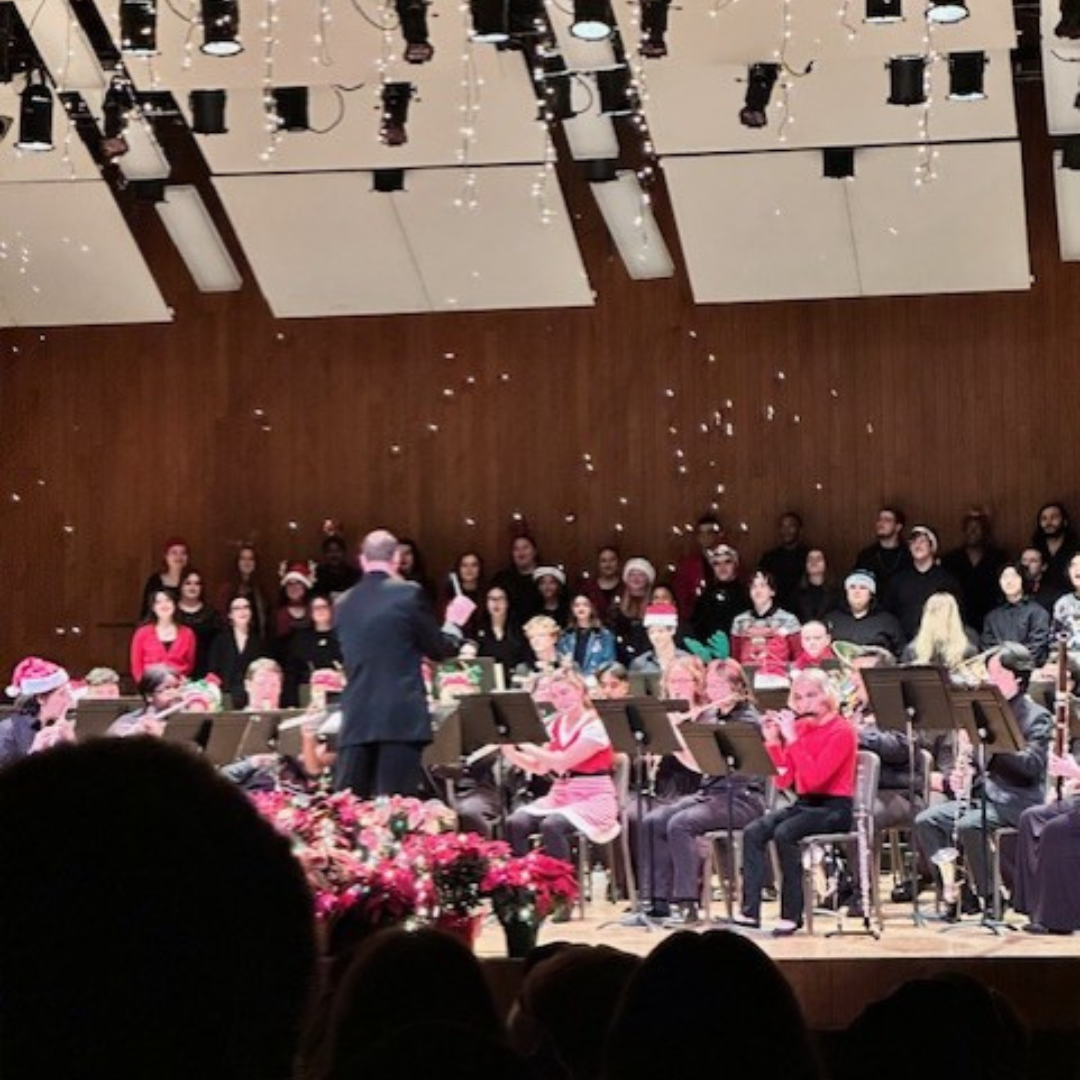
{"x":836,"y":978}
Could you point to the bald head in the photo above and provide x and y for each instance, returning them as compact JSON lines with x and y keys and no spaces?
{"x":379,"y":550}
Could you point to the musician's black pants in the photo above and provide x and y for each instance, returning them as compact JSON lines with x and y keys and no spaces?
{"x":381,"y":768}
{"x":786,"y":827}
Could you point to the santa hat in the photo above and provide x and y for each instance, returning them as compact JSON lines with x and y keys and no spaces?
{"x":661,"y":615}
{"x":34,"y":676}
{"x":297,"y":571}
{"x":549,"y":571}
{"x":641,"y":564}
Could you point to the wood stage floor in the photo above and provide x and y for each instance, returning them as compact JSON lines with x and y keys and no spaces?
{"x":836,"y":977}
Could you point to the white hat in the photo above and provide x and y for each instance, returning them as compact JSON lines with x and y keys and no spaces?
{"x":641,"y":564}
{"x":549,"y":571}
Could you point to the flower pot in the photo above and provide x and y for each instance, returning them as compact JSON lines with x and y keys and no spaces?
{"x":521,"y":937}
{"x":464,"y":927}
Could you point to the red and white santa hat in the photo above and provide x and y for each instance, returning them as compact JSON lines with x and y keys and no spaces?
{"x":34,"y":676}
{"x":661,"y":615}
{"x":297,"y":571}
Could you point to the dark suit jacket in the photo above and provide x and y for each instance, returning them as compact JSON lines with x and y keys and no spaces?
{"x":386,"y":628}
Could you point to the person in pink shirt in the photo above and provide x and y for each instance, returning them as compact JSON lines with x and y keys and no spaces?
{"x":814,"y":750}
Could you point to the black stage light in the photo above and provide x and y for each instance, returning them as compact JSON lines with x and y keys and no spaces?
{"x":1069,"y":25}
{"x":946,"y":11}
{"x":221,"y":25}
{"x":491,"y":20}
{"x":558,"y":99}
{"x":1070,"y":152}
{"x":907,"y":80}
{"x":760,"y":80}
{"x":395,"y":103}
{"x":838,"y":162}
{"x":207,"y":112}
{"x":654,"y":21}
{"x":600,"y":170}
{"x":883,"y":11}
{"x":592,"y":20}
{"x":115,"y":106}
{"x":388,"y":180}
{"x":35,"y":116}
{"x":291,"y":108}
{"x":966,"y":76}
{"x":412,"y":15}
{"x":614,"y":87}
{"x":138,"y":27}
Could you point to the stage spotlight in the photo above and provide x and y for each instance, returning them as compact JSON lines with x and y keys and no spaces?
{"x":760,"y":80}
{"x":388,"y":180}
{"x":395,"y":104}
{"x":35,"y":116}
{"x":1069,"y":25}
{"x":207,"y":112}
{"x":221,"y":24}
{"x":115,"y":106}
{"x":614,"y":87}
{"x":1070,"y":153}
{"x":654,"y":19}
{"x":966,"y":76}
{"x":592,"y":20}
{"x":838,"y":162}
{"x":138,"y":27}
{"x":291,"y":108}
{"x":907,"y":80}
{"x":946,"y":11}
{"x":883,"y":11}
{"x":491,"y":20}
{"x":412,"y":15}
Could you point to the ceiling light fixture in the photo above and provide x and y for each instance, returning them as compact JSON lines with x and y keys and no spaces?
{"x":138,"y":27}
{"x":592,"y":20}
{"x":491,"y":21}
{"x":35,"y":115}
{"x":654,"y":23}
{"x":614,"y":87}
{"x":838,"y":162}
{"x":944,"y":12}
{"x":291,"y":108}
{"x":395,"y":104}
{"x":907,"y":80}
{"x":883,"y":11}
{"x":207,"y":112}
{"x":966,"y":76}
{"x":760,"y":80}
{"x":412,"y":15}
{"x":221,"y":25}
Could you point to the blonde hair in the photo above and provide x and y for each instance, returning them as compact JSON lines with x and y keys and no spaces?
{"x":822,"y":680}
{"x":694,"y":667}
{"x":264,"y":663}
{"x":941,"y":638}
{"x":540,"y":624}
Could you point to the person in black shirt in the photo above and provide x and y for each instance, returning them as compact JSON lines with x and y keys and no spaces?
{"x":976,"y":565}
{"x":787,"y":561}
{"x":910,"y":589}
{"x":517,"y":580}
{"x":312,"y":648}
{"x":1055,"y":537}
{"x":723,"y":598}
{"x":888,"y":555}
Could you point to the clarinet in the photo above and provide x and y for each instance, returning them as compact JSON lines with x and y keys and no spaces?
{"x":1061,"y":710}
{"x":862,"y":847}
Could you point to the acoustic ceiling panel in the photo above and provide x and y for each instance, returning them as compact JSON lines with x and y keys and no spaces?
{"x":964,"y":231}
{"x":1067,"y":195}
{"x":762,"y":227}
{"x":1061,"y":73}
{"x":323,"y":244}
{"x":327,"y":244}
{"x":514,"y":249}
{"x":694,"y":108}
{"x":68,"y":259}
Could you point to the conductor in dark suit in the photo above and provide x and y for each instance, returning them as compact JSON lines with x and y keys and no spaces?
{"x":386,"y":628}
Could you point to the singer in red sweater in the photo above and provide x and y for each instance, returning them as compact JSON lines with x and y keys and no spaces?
{"x":814,"y":749}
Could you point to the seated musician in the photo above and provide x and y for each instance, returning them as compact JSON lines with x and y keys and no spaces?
{"x":42,"y":693}
{"x":159,"y":687}
{"x":1013,"y":782}
{"x":813,"y":748}
{"x":579,"y":757}
{"x":672,"y":831}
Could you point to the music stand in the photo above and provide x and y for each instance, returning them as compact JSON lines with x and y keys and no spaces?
{"x":260,"y":733}
{"x":186,"y":729}
{"x":226,"y":733}
{"x":902,"y":698}
{"x":503,"y":718}
{"x":724,"y":750}
{"x":989,"y":722}
{"x":638,"y":727}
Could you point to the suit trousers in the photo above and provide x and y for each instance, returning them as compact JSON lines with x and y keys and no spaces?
{"x":380,"y":768}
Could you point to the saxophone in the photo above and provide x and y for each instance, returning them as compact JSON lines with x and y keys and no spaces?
{"x":947,"y":858}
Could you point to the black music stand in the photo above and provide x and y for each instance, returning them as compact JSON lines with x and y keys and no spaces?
{"x":638,"y":727}
{"x":724,"y":750}
{"x":502,"y":718}
{"x":187,"y":729}
{"x":901,"y":699}
{"x":226,"y":734}
{"x":989,"y":722}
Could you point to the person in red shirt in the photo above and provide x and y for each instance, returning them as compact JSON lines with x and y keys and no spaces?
{"x":162,"y":640}
{"x":814,"y":750}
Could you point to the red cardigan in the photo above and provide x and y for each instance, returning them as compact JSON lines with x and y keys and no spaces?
{"x":147,"y":648}
{"x":822,"y":759}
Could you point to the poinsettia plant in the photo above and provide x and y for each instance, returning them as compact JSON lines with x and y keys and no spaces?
{"x":530,"y":887}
